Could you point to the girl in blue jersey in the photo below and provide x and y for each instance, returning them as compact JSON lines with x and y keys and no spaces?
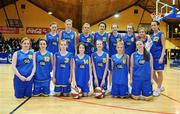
{"x":141,"y":72}
{"x":69,"y":35}
{"x":52,"y":38}
{"x":23,"y":64}
{"x":102,"y":35}
{"x":62,"y":70}
{"x":42,"y":77}
{"x":87,"y":39}
{"x":100,"y":61}
{"x":129,"y":39}
{"x":114,"y":37}
{"x":158,"y":52}
{"x":119,"y":75}
{"x":82,"y":70}
{"x":145,"y":38}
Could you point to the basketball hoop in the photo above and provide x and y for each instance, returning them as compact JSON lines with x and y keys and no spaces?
{"x":157,"y":17}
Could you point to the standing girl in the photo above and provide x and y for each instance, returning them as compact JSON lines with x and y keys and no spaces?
{"x":141,"y":72}
{"x":23,"y":64}
{"x":69,"y":36}
{"x":87,"y":38}
{"x":129,"y":40}
{"x":158,"y":52}
{"x":44,"y":62}
{"x":52,"y":38}
{"x":82,"y":70}
{"x":120,"y":64}
{"x":62,"y":70}
{"x":102,"y":35}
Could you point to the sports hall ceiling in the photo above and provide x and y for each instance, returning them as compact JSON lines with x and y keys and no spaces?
{"x":91,"y":11}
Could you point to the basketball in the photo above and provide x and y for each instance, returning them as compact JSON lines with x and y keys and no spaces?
{"x":99,"y":93}
{"x":76,"y":93}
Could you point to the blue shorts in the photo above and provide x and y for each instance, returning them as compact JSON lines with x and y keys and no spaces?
{"x":119,"y":90}
{"x":62,"y":89}
{"x":42,"y":87}
{"x":99,"y":83}
{"x":142,"y":87}
{"x":22,"y":89}
{"x":85,"y":89}
{"x":156,"y":65}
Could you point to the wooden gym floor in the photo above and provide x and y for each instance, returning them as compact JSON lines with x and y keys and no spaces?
{"x":167,"y":103}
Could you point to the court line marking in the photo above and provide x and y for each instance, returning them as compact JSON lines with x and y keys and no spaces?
{"x":19,"y":105}
{"x":170,"y":98}
{"x":119,"y":107}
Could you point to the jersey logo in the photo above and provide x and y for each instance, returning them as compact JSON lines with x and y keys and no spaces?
{"x":26,"y":60}
{"x":141,"y":61}
{"x":88,"y":39}
{"x":54,"y":43}
{"x":104,"y":60}
{"x":66,"y":60}
{"x":72,"y":36}
{"x":86,"y":61}
{"x":62,"y":65}
{"x":104,"y":39}
{"x":132,"y":39}
{"x":82,"y":66}
{"x":46,"y":59}
{"x":30,"y":56}
{"x":124,"y":61}
{"x":118,"y":39}
{"x":119,"y":66}
{"x":114,"y":44}
{"x":156,"y":39}
{"x":100,"y":64}
{"x":42,"y":63}
{"x":128,"y":43}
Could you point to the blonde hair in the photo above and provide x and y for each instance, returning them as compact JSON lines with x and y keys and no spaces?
{"x":24,"y":39}
{"x":53,"y":23}
{"x":68,"y":20}
{"x":142,"y":28}
{"x":63,"y":41}
{"x":130,"y":24}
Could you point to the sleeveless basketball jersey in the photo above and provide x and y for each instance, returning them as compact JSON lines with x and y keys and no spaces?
{"x":100,"y":63}
{"x":129,"y":44}
{"x":156,"y":48}
{"x":24,"y":63}
{"x":120,"y":70}
{"x":53,"y":42}
{"x":104,"y":38}
{"x":63,"y":66}
{"x":113,"y":42}
{"x":70,"y":37}
{"x":43,"y":66}
{"x":82,"y":70}
{"x":88,"y":42}
{"x":141,"y":69}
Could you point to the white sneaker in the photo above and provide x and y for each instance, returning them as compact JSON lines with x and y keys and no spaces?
{"x":162,"y":89}
{"x":156,"y":92}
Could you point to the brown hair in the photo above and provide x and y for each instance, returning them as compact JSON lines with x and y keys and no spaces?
{"x":130,"y":24}
{"x":53,"y":23}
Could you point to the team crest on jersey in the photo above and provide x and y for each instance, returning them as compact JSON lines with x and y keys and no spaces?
{"x":86,"y":61}
{"x":66,"y":60}
{"x":46,"y":59}
{"x":88,"y":39}
{"x":141,"y":61}
{"x":114,"y":44}
{"x":118,"y":39}
{"x":132,"y":39}
{"x":156,"y":39}
{"x":124,"y":61}
{"x":119,"y":66}
{"x":72,"y":36}
{"x":30,"y":56}
{"x":104,"y":39}
{"x":104,"y":60}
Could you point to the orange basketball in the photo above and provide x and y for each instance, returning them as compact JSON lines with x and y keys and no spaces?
{"x":99,"y":93}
